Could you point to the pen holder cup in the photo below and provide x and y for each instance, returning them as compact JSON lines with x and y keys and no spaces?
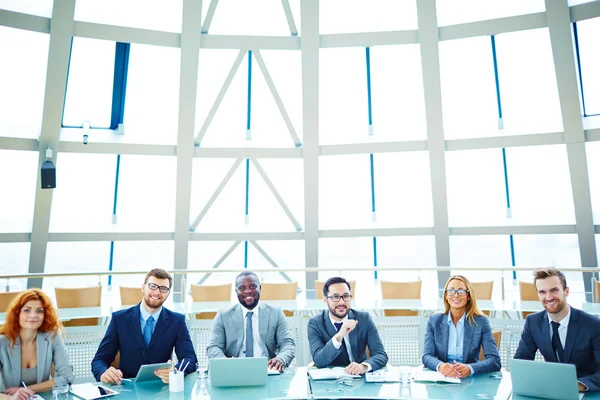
{"x":176,"y":381}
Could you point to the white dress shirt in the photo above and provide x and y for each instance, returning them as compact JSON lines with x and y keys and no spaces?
{"x":337,"y":344}
{"x":259,"y":348}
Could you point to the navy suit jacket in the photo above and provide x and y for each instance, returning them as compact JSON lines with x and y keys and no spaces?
{"x":324,"y":353}
{"x":475,"y":336}
{"x":124,"y":334}
{"x":582,"y":345}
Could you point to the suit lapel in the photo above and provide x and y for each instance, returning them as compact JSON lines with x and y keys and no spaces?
{"x":353,"y":337}
{"x":42,"y":345}
{"x":236,"y":321}
{"x":468,"y":331}
{"x":263,"y":323}
{"x":546,"y":342}
{"x":15,"y":353}
{"x":161,"y":325}
{"x":443,"y":327}
{"x":135,"y":325}
{"x":572,"y":330}
{"x":331,"y":332}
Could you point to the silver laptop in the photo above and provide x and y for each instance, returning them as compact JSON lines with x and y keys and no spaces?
{"x":250,"y":371}
{"x":543,"y":379}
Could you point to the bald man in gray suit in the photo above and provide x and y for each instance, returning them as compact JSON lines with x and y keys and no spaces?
{"x":265,"y":325}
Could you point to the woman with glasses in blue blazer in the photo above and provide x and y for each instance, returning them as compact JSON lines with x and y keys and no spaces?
{"x":454,"y":337}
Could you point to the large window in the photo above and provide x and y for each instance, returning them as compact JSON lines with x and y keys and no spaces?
{"x":588,"y":32}
{"x":16,"y":203}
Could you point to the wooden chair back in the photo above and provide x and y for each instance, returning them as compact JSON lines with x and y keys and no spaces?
{"x":6,"y":298}
{"x":79,"y":297}
{"x":279,"y":291}
{"x":483,"y":291}
{"x":210,"y":293}
{"x":400,"y":290}
{"x":497,"y":337}
{"x":527,"y":292}
{"x":130,"y":296}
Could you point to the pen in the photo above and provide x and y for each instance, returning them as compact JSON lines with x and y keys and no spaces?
{"x":183,"y":369}
{"x":309,"y":384}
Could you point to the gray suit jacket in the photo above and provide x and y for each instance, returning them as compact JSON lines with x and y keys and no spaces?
{"x":49,"y":350}
{"x":324,"y":353}
{"x":227,"y":333}
{"x":479,"y":334}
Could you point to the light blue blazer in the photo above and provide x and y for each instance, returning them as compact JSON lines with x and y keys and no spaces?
{"x":49,"y":350}
{"x":476,"y":335}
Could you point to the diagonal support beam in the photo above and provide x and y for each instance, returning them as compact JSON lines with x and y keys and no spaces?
{"x":216,"y":194}
{"x":221,"y":260}
{"x":220,"y":96}
{"x":290,"y":17}
{"x":287,"y":211}
{"x":269,"y":259}
{"x":209,"y":16}
{"x":276,"y":97}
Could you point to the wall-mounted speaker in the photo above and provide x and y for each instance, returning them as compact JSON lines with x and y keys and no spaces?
{"x":48,"y":174}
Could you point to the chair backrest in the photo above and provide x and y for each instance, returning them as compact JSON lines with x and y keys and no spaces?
{"x":597,"y":291}
{"x":527,"y":292}
{"x":130,"y":295}
{"x":400,"y":290}
{"x":210,"y":293}
{"x":279,"y":291}
{"x":319,"y":288}
{"x":483,"y":291}
{"x":79,"y":297}
{"x":6,"y":298}
{"x":497,"y":337}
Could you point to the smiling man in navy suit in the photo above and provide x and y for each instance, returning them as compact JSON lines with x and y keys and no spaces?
{"x":144,"y":334}
{"x":562,"y":333}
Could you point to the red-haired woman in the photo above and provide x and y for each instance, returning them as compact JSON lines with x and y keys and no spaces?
{"x":30,"y":342}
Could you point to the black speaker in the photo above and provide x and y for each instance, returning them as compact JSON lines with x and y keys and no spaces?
{"x":48,"y":174}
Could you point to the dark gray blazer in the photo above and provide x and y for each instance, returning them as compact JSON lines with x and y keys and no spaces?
{"x":324,"y":353}
{"x":435,"y":349}
{"x":582,"y":345}
{"x":49,"y":349}
{"x":227,"y":333}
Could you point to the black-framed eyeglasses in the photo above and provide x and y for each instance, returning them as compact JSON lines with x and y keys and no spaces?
{"x":242,"y":288}
{"x":460,"y":292}
{"x":336,"y":298}
{"x":154,"y":286}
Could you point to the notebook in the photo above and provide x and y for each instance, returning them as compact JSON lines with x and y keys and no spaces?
{"x":318,"y":374}
{"x":433,"y":376}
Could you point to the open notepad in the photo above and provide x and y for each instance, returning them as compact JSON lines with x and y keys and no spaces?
{"x":330,"y":373}
{"x":433,"y":376}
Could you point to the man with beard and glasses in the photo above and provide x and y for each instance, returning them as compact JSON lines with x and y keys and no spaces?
{"x":560,"y":332}
{"x":145,"y":334}
{"x":340,"y":335}
{"x":252,"y":329}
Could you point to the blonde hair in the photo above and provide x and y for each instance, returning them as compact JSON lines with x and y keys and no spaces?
{"x":472,"y":308}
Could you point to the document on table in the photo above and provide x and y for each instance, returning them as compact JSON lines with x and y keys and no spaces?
{"x":434,"y":376}
{"x":330,"y":373}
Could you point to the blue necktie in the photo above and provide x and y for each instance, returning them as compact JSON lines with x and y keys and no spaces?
{"x":148,"y":330}
{"x":249,"y":335}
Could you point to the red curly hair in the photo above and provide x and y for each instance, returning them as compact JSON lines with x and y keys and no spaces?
{"x":12,"y":328}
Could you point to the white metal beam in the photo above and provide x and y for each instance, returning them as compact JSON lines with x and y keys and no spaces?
{"x":368,"y":148}
{"x":216,"y":194}
{"x":248,"y":152}
{"x":278,"y":197}
{"x":188,"y":85}
{"x":276,"y":97}
{"x":368,"y":39}
{"x":61,"y":33}
{"x":584,"y":11}
{"x":127,"y":35}
{"x":220,"y":96}
{"x":371,"y":232}
{"x":310,"y":116}
{"x":243,"y":236}
{"x":430,"y":63}
{"x":210,"y":13}
{"x":109,"y":236}
{"x":10,"y":237}
{"x":34,"y":23}
{"x":559,"y":25}
{"x":498,"y":142}
{"x":513,"y":230}
{"x":493,"y":26}
{"x":11,"y":143}
{"x":289,"y":17}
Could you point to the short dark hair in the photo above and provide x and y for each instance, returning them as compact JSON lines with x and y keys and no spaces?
{"x":159,"y":274}
{"x":543,"y":273}
{"x":246,"y":273}
{"x":333,"y":281}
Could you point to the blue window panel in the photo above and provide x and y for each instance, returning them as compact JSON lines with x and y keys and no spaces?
{"x":593,"y":164}
{"x":90,"y":83}
{"x":23,"y":80}
{"x":18,"y":178}
{"x":588,"y":32}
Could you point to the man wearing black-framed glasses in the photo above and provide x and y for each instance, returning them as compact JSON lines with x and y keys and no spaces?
{"x":340,"y":335}
{"x":143,"y":334}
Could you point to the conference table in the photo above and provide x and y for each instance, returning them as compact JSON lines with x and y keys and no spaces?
{"x":294,"y":384}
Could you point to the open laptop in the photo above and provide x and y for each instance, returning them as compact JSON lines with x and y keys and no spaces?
{"x":543,"y":379}
{"x":250,"y":371}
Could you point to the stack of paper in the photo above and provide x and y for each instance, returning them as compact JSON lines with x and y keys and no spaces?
{"x":434,"y":376}
{"x":330,"y":373}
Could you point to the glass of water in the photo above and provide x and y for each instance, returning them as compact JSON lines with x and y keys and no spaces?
{"x":405,"y":374}
{"x":60,"y":392}
{"x":200,"y":371}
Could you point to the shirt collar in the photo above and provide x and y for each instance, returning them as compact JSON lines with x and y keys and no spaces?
{"x":246,"y":311}
{"x":461,"y":321}
{"x":565,"y":321}
{"x":145,"y":314}
{"x":333,"y":321}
